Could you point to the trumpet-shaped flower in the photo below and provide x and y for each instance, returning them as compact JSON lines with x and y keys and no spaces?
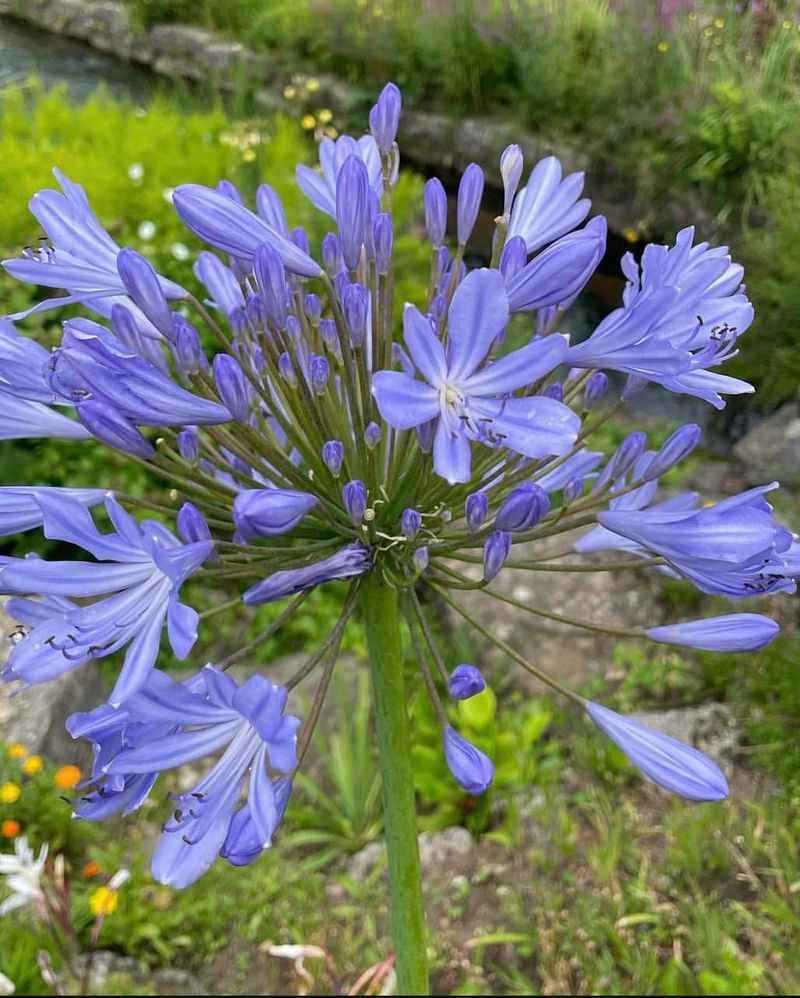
{"x":470,"y":402}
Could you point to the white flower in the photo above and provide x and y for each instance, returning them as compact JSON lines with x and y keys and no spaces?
{"x":7,"y":986}
{"x":180,"y":251}
{"x":146,"y":230}
{"x":24,"y":875}
{"x":136,"y":172}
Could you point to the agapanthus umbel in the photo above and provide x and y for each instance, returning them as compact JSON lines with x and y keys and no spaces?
{"x":309,"y":433}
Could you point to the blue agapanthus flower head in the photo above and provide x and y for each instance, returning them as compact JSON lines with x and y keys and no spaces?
{"x":305,"y":429}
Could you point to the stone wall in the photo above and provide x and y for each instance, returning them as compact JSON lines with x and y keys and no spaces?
{"x":429,"y":140}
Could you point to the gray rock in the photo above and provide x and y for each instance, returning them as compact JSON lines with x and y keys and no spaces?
{"x":772,"y":449}
{"x":710,"y":727}
{"x":631,"y":599}
{"x":166,"y":981}
{"x":438,"y":851}
{"x":36,"y":716}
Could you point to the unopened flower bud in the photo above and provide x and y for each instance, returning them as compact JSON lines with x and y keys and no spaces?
{"x":410,"y":523}
{"x":495,"y":552}
{"x":682,"y":442}
{"x":420,"y":559}
{"x":523,"y":508}
{"x":372,"y":434}
{"x":465,"y":681}
{"x":333,"y":456}
{"x":232,"y":386}
{"x":470,"y":192}
{"x":595,"y":390}
{"x":354,"y":497}
{"x":435,"y":201}
{"x":472,"y":769}
{"x":511,"y":164}
{"x":384,"y":117}
{"x":476,"y":508}
{"x":188,"y":444}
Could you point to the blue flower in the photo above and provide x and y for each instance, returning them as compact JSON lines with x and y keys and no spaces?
{"x":139,"y":572}
{"x":733,"y":548}
{"x":683,"y":314}
{"x":674,"y":766}
{"x":730,"y":632}
{"x":82,"y":257}
{"x":350,"y":561}
{"x":472,"y":769}
{"x":320,"y":188}
{"x":471,"y":404}
{"x":168,"y":724}
{"x":548,"y":206}
{"x":20,"y":509}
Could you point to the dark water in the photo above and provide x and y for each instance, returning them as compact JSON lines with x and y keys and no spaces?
{"x":25,"y":52}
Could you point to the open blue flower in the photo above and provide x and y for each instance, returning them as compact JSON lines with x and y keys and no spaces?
{"x":471,"y":403}
{"x":139,"y":572}
{"x":168,"y":724}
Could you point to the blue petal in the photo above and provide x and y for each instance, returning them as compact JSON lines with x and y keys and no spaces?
{"x":402,"y":401}
{"x":451,"y":452}
{"x":478,"y":313}
{"x":518,"y":369}
{"x":424,"y":346}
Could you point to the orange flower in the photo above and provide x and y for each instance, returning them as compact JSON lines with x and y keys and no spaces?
{"x":92,"y":869}
{"x":9,"y":828}
{"x":67,"y":777}
{"x":33,"y":765}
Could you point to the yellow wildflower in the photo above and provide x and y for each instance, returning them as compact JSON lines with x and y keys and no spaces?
{"x":324,"y":115}
{"x":9,"y":793}
{"x":249,"y":155}
{"x":312,"y":85}
{"x":17,"y":750}
{"x":289,"y":93}
{"x":632,"y":235}
{"x":103,"y":901}
{"x":719,"y":23}
{"x":308,"y":121}
{"x":663,"y":46}
{"x":33,"y":765}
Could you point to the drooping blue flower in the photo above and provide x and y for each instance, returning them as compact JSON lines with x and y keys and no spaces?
{"x":138,"y":573}
{"x":731,"y":632}
{"x":733,"y":548}
{"x":168,"y":724}
{"x":472,"y":769}
{"x":471,"y":403}
{"x":320,"y":188}
{"x":92,"y":365}
{"x":548,"y":206}
{"x":674,"y":766}
{"x":351,"y":560}
{"x":81,"y":257}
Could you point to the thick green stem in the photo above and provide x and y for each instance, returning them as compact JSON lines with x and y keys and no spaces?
{"x":380,"y":603}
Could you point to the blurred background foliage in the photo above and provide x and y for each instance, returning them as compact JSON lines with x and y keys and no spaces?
{"x":584,"y":882}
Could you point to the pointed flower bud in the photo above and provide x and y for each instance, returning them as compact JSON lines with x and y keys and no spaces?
{"x":286,"y":370}
{"x":513,"y":257}
{"x":270,"y":512}
{"x":372,"y":434}
{"x":313,"y":308}
{"x":730,"y":632}
{"x":472,"y":769}
{"x":671,"y":764}
{"x":420,"y":559}
{"x":682,"y":442}
{"x":470,"y":192}
{"x":320,"y":370}
{"x":465,"y":681}
{"x":355,"y":303}
{"x":555,"y":391}
{"x":573,"y":489}
{"x":476,"y":508}
{"x":384,"y":118}
{"x":495,"y":552}
{"x":143,"y":285}
{"x":511,"y":164}
{"x":350,"y":561}
{"x":435,"y":203}
{"x":627,"y":454}
{"x":354,"y":497}
{"x":271,"y":278}
{"x":333,"y":456}
{"x":595,"y":390}
{"x":192,"y":524}
{"x":232,"y":386}
{"x":187,"y":348}
{"x":523,"y":508}
{"x":332,"y":253}
{"x":352,"y":186}
{"x":410,"y":523}
{"x":383,"y":240}
{"x":188,"y":444}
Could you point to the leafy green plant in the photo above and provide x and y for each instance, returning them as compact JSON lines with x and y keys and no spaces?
{"x":340,"y":812}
